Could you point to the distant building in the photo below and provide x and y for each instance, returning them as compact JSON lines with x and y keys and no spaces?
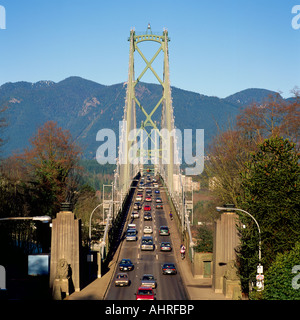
{"x":189,"y":184}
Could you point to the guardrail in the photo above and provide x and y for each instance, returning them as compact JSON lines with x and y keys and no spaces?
{"x":181,"y":219}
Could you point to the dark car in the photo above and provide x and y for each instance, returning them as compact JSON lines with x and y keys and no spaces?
{"x":158,"y":200}
{"x":137,"y":206}
{"x":147,"y":216}
{"x":159,"y":206}
{"x":126,"y":265}
{"x":165,"y":246}
{"x":168,"y":268}
{"x":164,"y":231}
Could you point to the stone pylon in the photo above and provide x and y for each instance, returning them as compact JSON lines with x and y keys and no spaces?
{"x":65,"y":246}
{"x":226,"y":240}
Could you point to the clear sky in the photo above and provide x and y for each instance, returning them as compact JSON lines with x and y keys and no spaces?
{"x":217,"y":47}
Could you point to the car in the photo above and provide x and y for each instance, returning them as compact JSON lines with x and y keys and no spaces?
{"x":126,"y":265}
{"x":148,"y":199}
{"x":138,"y":198}
{"x":165,"y":246}
{"x":145,"y":293}
{"x":141,"y":183}
{"x":158,"y":200}
{"x":140,"y":189}
{"x":137,"y":206}
{"x":148,"y":229}
{"x":135,"y":215}
{"x":147,"y":208}
{"x":149,"y":191}
{"x":147,"y":243}
{"x":131,"y":226}
{"x":159,"y":206}
{"x":164,"y":231}
{"x":121,"y":279}
{"x":148,"y":280}
{"x":168,"y":268}
{"x":147,"y":216}
{"x":131,"y":235}
{"x":157,"y":191}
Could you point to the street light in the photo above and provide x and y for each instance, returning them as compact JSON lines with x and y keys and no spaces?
{"x":90,"y":224}
{"x":259,"y":267}
{"x":44,"y":219}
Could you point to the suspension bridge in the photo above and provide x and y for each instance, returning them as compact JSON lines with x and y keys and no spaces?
{"x":135,"y":157}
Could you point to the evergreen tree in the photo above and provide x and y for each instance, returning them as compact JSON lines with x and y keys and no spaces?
{"x":270,"y":192}
{"x":282,"y":278}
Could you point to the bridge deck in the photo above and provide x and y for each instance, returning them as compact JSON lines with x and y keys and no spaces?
{"x":169,"y":287}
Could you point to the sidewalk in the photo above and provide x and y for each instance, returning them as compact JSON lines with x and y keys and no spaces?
{"x":196,"y":288}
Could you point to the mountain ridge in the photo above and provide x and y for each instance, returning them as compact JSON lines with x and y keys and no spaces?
{"x":84,"y":107}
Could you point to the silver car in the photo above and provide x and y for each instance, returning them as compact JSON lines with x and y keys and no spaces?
{"x":147,"y":243}
{"x":148,"y":229}
{"x":148,"y":280}
{"x":121,"y":280}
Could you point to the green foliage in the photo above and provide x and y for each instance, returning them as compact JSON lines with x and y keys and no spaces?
{"x":279,"y":277}
{"x":96,"y":175}
{"x":204,"y":240}
{"x":271,"y":193}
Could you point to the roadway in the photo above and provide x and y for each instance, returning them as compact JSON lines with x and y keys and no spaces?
{"x":169,"y":287}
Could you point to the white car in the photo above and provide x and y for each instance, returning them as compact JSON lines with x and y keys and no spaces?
{"x":135,"y":215}
{"x":148,"y":229}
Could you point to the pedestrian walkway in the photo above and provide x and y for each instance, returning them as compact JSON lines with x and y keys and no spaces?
{"x":197,"y":288}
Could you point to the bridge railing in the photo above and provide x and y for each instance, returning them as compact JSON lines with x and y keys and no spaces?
{"x":177,"y":202}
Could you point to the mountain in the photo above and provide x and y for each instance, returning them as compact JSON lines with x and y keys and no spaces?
{"x":84,"y":107}
{"x":248,"y":96}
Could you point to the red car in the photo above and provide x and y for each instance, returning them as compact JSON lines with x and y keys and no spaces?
{"x":148,"y":199}
{"x":147,"y":208}
{"x":145,"y":293}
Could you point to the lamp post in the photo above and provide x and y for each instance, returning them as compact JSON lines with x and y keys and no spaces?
{"x":90,"y":224}
{"x":90,"y":239}
{"x":260,"y":276}
{"x":44,"y":219}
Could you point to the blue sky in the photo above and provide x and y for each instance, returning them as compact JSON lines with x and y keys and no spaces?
{"x":217,"y":47}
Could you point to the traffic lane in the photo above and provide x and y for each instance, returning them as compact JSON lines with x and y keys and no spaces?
{"x":169,"y":287}
{"x":172,"y":286}
{"x":129,"y":251}
{"x":148,"y":262}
